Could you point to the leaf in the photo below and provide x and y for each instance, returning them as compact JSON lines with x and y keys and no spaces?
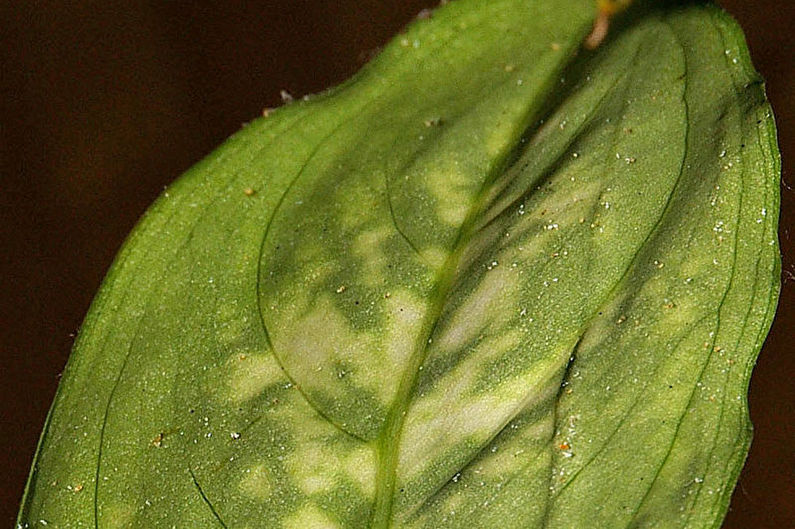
{"x":492,"y":281}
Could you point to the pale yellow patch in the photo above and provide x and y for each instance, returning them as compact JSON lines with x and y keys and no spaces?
{"x":406,"y":313}
{"x":436,"y":257}
{"x":697,"y":264}
{"x":251,"y":374}
{"x":453,"y":192}
{"x":231,"y":324}
{"x":309,"y":517}
{"x":313,"y":465}
{"x":359,"y":467}
{"x":501,"y":138}
{"x":116,"y":515}
{"x":434,"y":427}
{"x":368,"y":248}
{"x":480,"y":309}
{"x":324,"y":337}
{"x":315,"y":342}
{"x":256,"y":484}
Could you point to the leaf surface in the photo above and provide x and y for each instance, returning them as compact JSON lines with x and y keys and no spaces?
{"x":492,"y":281}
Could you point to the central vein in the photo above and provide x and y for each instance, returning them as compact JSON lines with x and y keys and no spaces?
{"x":388,"y":443}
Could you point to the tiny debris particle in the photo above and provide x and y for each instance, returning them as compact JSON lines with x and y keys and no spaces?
{"x":564,"y":446}
{"x":555,"y":46}
{"x":286,"y":96}
{"x":157,"y":442}
{"x":510,"y":67}
{"x":387,"y":295}
{"x":717,"y":349}
{"x":433,"y":122}
{"x":249,"y":192}
{"x":235,"y":435}
{"x":341,"y":289}
{"x":621,"y":320}
{"x":425,"y":14}
{"x":266,"y":112}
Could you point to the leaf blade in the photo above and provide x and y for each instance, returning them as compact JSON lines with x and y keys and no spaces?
{"x":349,"y":345}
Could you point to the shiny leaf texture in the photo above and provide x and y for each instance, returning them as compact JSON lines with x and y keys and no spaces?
{"x":495,"y":280}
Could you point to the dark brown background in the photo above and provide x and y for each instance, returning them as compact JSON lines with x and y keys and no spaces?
{"x":103,"y":103}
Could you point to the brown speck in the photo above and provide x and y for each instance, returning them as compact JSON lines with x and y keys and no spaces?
{"x":242,"y":357}
{"x":249,"y":192}
{"x":717,"y":349}
{"x":621,"y":320}
{"x":564,"y":446}
{"x":77,"y":488}
{"x":387,"y":295}
{"x":157,"y":442}
{"x":433,"y":122}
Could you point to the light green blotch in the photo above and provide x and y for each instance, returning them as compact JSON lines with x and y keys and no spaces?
{"x":699,"y":263}
{"x":313,"y":466}
{"x":116,"y":515}
{"x":325,"y":337}
{"x":309,"y":517}
{"x":434,"y":256}
{"x":434,"y":426}
{"x":368,"y":249}
{"x":317,"y":341}
{"x":318,"y":467}
{"x":452,"y":191}
{"x":406,"y":313}
{"x":231,"y":325}
{"x":359,"y":466}
{"x":251,"y":374}
{"x":483,"y":307}
{"x":257,"y":483}
{"x":511,"y":456}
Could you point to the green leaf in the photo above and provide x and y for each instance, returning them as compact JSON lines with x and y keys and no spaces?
{"x":494,"y":280}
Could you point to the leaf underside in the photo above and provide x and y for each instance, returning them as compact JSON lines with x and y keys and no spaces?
{"x":492,"y":281}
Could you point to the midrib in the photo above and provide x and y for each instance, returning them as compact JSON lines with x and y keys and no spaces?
{"x":388,"y":442}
